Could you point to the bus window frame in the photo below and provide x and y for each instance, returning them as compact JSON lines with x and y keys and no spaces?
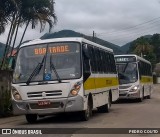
{"x":81,"y":59}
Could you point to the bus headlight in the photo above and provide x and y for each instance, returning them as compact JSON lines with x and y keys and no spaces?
{"x":74,"y":91}
{"x":134,"y":89}
{"x":16,"y":94}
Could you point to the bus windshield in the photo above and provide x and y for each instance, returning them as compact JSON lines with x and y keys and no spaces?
{"x":127,"y":73}
{"x":56,"y":61}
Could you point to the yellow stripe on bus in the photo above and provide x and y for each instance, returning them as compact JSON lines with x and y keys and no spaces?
{"x":95,"y":83}
{"x":145,"y":79}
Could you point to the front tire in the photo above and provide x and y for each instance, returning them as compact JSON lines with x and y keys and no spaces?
{"x":31,"y":118}
{"x":86,"y":114}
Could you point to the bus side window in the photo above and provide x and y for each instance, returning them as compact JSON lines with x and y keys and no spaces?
{"x":140,"y":69}
{"x":92,"y":59}
{"x":86,"y":63}
{"x":113,"y":64}
{"x":104,"y":62}
{"x":100,"y":61}
{"x":107,"y":63}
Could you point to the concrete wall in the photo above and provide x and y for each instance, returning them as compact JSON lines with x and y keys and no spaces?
{"x":158,"y":80}
{"x":5,"y":91}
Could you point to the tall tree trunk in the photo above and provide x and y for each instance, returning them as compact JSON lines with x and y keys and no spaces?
{"x":6,"y":46}
{"x":12,"y":34}
{"x":15,"y":37}
{"x":23,"y":35}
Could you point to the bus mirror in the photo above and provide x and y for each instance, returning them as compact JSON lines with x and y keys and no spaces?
{"x":86,"y":76}
{"x":86,"y":69}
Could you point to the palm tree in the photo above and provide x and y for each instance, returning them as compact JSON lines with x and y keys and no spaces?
{"x":4,"y":13}
{"x":8,"y":10}
{"x":28,"y":12}
{"x":41,"y":12}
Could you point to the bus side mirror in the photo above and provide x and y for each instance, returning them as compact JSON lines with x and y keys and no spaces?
{"x":86,"y":69}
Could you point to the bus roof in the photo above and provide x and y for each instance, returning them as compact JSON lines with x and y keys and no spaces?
{"x":133,"y":55}
{"x":68,"y":39}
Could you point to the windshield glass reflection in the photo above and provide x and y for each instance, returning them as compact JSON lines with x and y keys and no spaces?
{"x":65,"y":57}
{"x":127,"y":73}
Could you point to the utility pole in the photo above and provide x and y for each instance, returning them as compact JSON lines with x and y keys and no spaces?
{"x":93,"y":37}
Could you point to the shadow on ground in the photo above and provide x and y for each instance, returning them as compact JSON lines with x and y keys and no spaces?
{"x":65,"y":118}
{"x":125,"y":101}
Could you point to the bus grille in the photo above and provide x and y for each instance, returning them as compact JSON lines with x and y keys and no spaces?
{"x":44,"y":94}
{"x":122,"y":94}
{"x":124,"y":87}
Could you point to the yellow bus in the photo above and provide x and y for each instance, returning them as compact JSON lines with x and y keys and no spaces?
{"x":63,"y":75}
{"x":135,"y":77}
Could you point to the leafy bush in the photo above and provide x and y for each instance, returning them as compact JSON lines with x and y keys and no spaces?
{"x":5,"y":102}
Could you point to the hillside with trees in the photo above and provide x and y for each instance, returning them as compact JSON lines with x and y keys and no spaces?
{"x":146,"y":46}
{"x":71,"y":33}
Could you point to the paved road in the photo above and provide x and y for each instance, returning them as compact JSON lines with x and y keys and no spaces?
{"x":124,"y":114}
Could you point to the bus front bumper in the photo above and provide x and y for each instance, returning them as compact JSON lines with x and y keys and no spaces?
{"x":129,"y":95}
{"x":61,"y":105}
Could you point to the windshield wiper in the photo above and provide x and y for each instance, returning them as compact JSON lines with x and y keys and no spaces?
{"x":125,"y":67}
{"x":54,"y":69}
{"x":36,"y":70}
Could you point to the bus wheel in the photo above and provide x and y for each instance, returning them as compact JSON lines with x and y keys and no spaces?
{"x":105,"y":108}
{"x":31,"y":118}
{"x":141,"y":98}
{"x":86,"y":114}
{"x":149,"y":96}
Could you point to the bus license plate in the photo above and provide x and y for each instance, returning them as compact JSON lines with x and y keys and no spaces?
{"x":44,"y":103}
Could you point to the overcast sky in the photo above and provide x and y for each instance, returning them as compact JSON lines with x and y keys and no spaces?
{"x":116,"y":21}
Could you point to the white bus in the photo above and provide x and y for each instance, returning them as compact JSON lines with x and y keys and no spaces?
{"x":135,"y":77}
{"x":63,"y":75}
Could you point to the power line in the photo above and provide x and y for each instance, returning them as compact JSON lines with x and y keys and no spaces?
{"x":152,"y":26}
{"x":140,"y":32}
{"x":127,"y":28}
{"x":130,"y":37}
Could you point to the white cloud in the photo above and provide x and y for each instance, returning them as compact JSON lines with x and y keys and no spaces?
{"x":106,"y":17}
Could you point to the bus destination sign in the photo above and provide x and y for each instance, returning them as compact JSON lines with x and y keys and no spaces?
{"x":55,"y":49}
{"x":125,"y":59}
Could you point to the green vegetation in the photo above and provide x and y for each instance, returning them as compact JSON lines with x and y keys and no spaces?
{"x":70,"y":33}
{"x":5,"y":102}
{"x":18,"y":13}
{"x":5,"y":92}
{"x":146,"y":46}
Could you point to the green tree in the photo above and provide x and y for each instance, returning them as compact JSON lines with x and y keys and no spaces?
{"x":142,"y":47}
{"x":6,"y":9}
{"x":155,"y":41}
{"x":26,"y":12}
{"x":152,"y":58}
